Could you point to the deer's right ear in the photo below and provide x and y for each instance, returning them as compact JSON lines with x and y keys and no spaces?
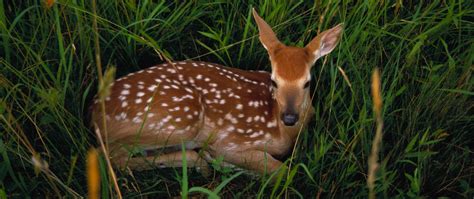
{"x":266,"y":34}
{"x":325,"y":42}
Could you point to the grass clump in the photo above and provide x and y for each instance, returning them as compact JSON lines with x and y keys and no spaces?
{"x":425,"y":52}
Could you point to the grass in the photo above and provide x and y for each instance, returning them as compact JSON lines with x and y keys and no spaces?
{"x":425,"y":52}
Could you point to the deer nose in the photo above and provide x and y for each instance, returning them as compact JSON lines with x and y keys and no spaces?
{"x":289,"y":119}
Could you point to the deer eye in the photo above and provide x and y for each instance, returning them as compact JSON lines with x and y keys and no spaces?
{"x":306,"y":85}
{"x":274,"y":84}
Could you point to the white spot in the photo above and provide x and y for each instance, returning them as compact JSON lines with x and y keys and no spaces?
{"x":239,"y":106}
{"x":147,"y":108}
{"x":166,"y":119}
{"x":164,"y":105}
{"x":186,"y":109}
{"x":125,"y":92}
{"x":212,"y":84}
{"x":127,"y":86}
{"x":188,"y":90}
{"x":151,"y":126}
{"x":136,"y":120}
{"x":176,"y":99}
{"x":258,"y":142}
{"x":138,"y":100}
{"x":220,"y":121}
{"x":271,"y":124}
{"x":152,"y":88}
{"x":232,"y":119}
{"x":256,"y":118}
{"x":140,"y":94}
{"x":249,"y":119}
{"x":124,"y":104}
{"x":254,"y":135}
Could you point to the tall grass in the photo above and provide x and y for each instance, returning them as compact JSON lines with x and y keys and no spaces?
{"x":425,"y":52}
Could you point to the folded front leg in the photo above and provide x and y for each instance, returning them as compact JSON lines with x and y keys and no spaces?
{"x":253,"y":160}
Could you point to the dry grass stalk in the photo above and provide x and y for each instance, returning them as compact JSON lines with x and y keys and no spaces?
{"x":93,"y":177}
{"x":373,"y":158}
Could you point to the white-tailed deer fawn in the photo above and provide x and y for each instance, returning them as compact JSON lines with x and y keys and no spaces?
{"x":246,"y":117}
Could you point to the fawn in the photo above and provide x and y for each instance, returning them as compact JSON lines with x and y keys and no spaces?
{"x":246,"y":117}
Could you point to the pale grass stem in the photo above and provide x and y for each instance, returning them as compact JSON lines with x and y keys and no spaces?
{"x":373,"y":157}
{"x":343,"y":73}
{"x":102,"y":94}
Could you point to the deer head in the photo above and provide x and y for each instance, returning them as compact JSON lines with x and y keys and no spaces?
{"x":291,"y":68}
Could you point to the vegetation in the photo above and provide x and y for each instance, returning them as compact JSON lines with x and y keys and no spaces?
{"x":424,"y":49}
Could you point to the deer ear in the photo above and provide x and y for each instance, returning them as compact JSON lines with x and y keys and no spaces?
{"x":325,"y":42}
{"x":266,"y":34}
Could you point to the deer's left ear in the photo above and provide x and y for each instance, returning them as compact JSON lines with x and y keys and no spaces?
{"x":325,"y":42}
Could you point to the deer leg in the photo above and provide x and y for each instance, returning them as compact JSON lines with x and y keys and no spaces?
{"x":253,"y":160}
{"x":172,"y":159}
